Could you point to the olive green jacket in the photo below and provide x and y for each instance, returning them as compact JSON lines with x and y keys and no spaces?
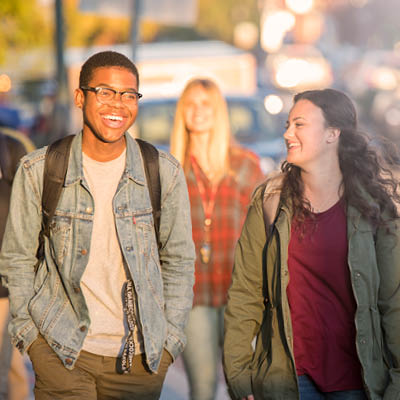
{"x":258,"y":307}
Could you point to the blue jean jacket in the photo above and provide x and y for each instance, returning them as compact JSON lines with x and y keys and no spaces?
{"x":50,"y":301}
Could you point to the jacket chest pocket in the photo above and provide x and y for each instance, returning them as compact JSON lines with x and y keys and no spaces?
{"x":60,"y":231}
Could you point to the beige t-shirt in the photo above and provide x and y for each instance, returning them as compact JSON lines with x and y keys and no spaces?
{"x":104,"y":276}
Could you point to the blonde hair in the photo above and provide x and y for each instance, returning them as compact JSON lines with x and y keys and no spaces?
{"x":220,"y":137}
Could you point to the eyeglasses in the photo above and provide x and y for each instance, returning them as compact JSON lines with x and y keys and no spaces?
{"x":106,"y":95}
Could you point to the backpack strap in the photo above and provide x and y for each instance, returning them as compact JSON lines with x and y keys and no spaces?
{"x":271,"y":198}
{"x":152,"y":170}
{"x":55,"y":170}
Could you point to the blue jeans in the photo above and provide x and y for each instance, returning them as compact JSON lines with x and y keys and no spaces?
{"x":202,"y":353}
{"x":308,"y":391}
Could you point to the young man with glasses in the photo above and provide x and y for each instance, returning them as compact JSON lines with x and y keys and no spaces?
{"x":70,"y":315}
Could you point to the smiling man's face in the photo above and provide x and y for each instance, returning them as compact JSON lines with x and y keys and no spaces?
{"x":107,"y":123}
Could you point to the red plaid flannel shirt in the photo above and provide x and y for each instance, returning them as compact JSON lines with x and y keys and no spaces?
{"x":233,"y":196}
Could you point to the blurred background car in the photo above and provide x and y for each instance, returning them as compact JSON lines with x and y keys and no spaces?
{"x":252,"y":126}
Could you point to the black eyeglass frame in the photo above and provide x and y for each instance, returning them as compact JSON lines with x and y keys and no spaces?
{"x":98,"y":88}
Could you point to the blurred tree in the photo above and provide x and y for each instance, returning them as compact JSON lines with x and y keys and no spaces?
{"x":21,"y":20}
{"x":20,"y":23}
{"x":84,"y":29}
{"x":217,"y":19}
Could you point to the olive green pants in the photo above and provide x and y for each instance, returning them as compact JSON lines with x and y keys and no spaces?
{"x":94,"y":377}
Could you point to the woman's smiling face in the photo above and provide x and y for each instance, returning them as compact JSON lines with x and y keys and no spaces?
{"x":307,"y":137}
{"x":198,"y":111}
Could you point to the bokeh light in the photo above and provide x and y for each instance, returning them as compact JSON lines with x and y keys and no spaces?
{"x":384,"y":78}
{"x":300,"y":6}
{"x":5,"y":83}
{"x":273,"y":104}
{"x":274,"y":29}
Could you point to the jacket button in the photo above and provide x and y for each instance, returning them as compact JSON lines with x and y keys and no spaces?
{"x":77,"y":290}
{"x":68,"y":361}
{"x":89,"y":210}
{"x":82,"y":328}
{"x":83,"y":252}
{"x":20,"y":345}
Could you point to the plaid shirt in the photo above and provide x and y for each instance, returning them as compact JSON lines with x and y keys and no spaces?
{"x":230,"y":208}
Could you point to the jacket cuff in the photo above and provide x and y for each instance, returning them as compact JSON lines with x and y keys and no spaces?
{"x":240,"y":386}
{"x":174,"y":346}
{"x":27,"y":335}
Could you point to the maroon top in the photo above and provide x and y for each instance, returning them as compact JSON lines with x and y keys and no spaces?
{"x":322,"y":304}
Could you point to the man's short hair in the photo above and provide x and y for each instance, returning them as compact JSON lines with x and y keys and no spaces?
{"x":105,"y":59}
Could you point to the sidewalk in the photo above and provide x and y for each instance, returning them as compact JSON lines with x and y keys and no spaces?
{"x":176,"y":386}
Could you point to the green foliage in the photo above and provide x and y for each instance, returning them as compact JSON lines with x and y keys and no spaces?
{"x":86,"y":29}
{"x":22,"y":25}
{"x":217,"y":19}
{"x":28,"y":24}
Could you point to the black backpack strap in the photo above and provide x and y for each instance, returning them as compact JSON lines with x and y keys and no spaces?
{"x":55,"y":170}
{"x":152,"y":170}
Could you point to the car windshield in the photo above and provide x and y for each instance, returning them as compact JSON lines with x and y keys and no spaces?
{"x":250,"y":122}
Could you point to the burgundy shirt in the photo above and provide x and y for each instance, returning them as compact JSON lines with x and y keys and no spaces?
{"x":322,"y":304}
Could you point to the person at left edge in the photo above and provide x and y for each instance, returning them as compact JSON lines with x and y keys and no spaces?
{"x":14,"y":383}
{"x":71,"y":315}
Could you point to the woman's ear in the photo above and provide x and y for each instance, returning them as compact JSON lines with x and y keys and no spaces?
{"x":79,"y":98}
{"x":333,"y":135}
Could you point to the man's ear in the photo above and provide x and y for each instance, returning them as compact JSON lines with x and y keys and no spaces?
{"x":333,"y":135}
{"x":79,"y":98}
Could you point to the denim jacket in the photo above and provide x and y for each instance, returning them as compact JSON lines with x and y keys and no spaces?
{"x":50,"y":301}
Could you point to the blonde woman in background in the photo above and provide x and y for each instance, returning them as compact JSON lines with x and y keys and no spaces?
{"x":221,"y":177}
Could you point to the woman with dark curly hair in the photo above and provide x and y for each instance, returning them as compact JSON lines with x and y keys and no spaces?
{"x":331,"y":330}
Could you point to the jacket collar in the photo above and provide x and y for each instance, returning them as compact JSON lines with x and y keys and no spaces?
{"x":133,"y":168}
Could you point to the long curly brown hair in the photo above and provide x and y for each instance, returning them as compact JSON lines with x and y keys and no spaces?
{"x":365,"y":172}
